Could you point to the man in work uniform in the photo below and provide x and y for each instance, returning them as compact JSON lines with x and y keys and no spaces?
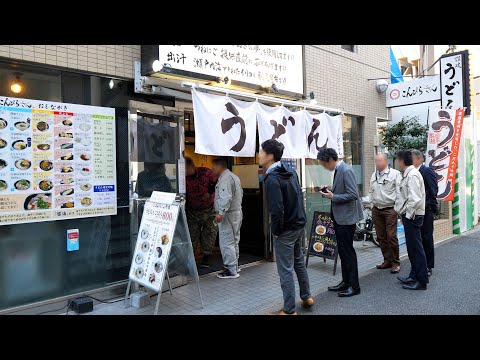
{"x":384,"y":188}
{"x":199,"y":207}
{"x":228,"y":206}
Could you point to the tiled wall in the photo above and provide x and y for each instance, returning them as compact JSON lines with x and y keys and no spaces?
{"x":115,"y":60}
{"x":339,"y":79}
{"x":443,"y":228}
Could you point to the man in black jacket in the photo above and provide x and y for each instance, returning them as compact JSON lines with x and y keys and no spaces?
{"x":431,"y":206}
{"x":287,"y":213}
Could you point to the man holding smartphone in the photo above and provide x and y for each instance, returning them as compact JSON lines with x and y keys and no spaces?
{"x":346,"y":211}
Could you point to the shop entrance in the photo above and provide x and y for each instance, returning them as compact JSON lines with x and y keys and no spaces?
{"x":160,"y":136}
{"x":252,"y":239}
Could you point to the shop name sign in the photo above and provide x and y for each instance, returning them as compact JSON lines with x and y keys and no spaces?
{"x":416,"y":91}
{"x":254,"y":64}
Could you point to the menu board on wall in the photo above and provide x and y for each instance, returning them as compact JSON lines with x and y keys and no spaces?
{"x":154,"y":242}
{"x":57,"y":161}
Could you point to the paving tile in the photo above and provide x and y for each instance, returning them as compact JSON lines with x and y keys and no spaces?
{"x":255,"y":292}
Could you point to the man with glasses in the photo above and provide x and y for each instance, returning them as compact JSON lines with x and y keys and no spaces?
{"x":384,"y":187}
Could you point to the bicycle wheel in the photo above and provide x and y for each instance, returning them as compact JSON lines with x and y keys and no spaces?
{"x":373,"y":238}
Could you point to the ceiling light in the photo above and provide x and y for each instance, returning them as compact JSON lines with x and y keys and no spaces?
{"x":16,"y":87}
{"x":156,"y":66}
{"x":111,"y":84}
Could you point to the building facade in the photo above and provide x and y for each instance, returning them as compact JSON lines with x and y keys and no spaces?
{"x":340,"y":76}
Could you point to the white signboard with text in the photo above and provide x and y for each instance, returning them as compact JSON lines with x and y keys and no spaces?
{"x":154,"y":242}
{"x":451,"y":73}
{"x":413,"y":92}
{"x":254,"y":64}
{"x":57,"y":161}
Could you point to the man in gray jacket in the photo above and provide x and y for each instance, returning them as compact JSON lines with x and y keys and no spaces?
{"x":411,"y":206}
{"x":228,"y":206}
{"x":346,"y":211}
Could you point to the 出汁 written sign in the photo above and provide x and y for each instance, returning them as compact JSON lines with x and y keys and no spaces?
{"x":254,"y":64}
{"x":443,"y":145}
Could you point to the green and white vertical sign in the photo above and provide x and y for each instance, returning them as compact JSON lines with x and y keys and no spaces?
{"x":463,"y":207}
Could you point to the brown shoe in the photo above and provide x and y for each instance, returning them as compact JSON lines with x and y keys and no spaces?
{"x":281,"y":312}
{"x":308,"y":303}
{"x":395,"y":269}
{"x":384,"y":265}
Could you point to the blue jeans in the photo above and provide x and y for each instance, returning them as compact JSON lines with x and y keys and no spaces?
{"x":289,"y":257}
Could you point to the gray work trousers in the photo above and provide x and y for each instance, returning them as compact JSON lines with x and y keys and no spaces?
{"x":229,"y":237}
{"x":289,"y":257}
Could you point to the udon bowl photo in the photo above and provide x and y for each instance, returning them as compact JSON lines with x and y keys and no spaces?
{"x":321,"y":230}
{"x":318,"y":247}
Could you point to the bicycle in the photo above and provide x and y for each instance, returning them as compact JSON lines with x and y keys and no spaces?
{"x":365,"y":230}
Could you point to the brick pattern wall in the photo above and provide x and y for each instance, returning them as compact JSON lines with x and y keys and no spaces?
{"x":339,"y":79}
{"x":114,"y":60}
{"x":443,"y":228}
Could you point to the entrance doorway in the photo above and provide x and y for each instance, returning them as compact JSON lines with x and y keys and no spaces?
{"x":252,"y":239}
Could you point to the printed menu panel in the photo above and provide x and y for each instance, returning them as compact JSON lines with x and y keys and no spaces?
{"x":154,"y":243}
{"x":57,"y":161}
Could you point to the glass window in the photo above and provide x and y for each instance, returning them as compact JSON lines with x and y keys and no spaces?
{"x":34,"y":263}
{"x":316,"y":175}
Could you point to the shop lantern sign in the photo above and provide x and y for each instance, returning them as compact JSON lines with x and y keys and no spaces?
{"x":253,"y":64}
{"x":443,"y":146}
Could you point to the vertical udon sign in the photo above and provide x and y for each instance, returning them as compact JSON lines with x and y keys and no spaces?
{"x":322,"y":242}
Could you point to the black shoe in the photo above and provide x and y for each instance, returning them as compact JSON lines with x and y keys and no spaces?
{"x":340,"y":287}
{"x":350,"y":291}
{"x":205,"y":263}
{"x":430,"y":272}
{"x":405,"y":280}
{"x":415,"y":286}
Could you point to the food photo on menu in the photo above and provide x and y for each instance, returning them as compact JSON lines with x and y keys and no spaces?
{"x":47,"y":160}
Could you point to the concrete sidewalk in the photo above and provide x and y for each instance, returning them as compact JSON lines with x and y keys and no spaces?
{"x":257,"y":290}
{"x":454,"y":288}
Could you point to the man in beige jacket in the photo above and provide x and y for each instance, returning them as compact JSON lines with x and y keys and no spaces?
{"x":384,"y":187}
{"x":411,"y":206}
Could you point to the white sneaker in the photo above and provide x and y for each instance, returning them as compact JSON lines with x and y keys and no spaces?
{"x":226,"y":274}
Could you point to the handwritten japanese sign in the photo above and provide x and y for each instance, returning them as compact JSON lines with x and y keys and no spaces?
{"x":455,"y":81}
{"x":443,"y":145}
{"x":416,"y":91}
{"x":322,"y":241}
{"x":254,"y":64}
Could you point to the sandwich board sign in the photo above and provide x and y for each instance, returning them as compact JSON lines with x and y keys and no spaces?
{"x":322,"y":242}
{"x":163,"y":230}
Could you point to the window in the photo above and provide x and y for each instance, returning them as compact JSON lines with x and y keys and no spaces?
{"x":351,"y":48}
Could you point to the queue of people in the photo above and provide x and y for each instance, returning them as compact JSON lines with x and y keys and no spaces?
{"x":410,"y":194}
{"x":214,"y":204}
